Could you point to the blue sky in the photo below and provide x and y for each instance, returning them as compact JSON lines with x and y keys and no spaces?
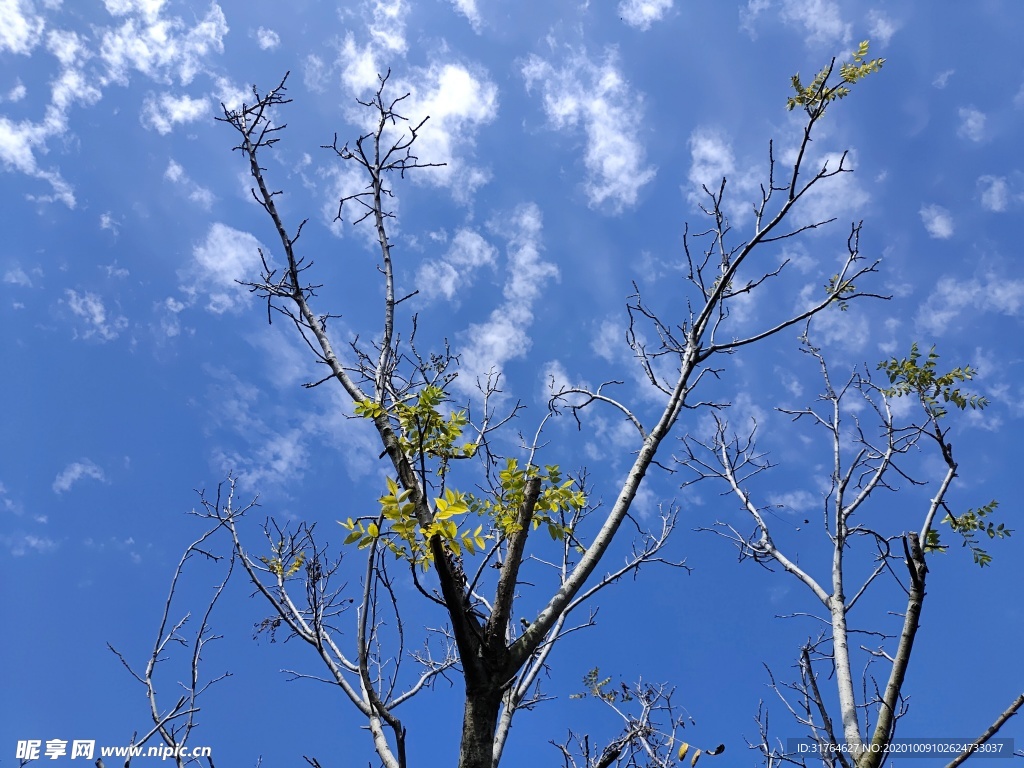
{"x":576,"y":137}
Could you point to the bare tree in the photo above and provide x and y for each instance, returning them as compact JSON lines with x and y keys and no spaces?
{"x":467,"y":552}
{"x":173,"y":725}
{"x":866,"y":464}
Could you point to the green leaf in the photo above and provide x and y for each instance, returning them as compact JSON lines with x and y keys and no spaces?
{"x":354,"y":536}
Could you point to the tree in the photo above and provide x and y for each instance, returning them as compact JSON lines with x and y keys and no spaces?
{"x":466,"y":550}
{"x":865,"y":464}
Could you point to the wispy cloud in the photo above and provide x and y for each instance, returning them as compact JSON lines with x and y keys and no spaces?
{"x":820,"y":20}
{"x":882,"y":27}
{"x":224,"y":257}
{"x":17,"y":276}
{"x":795,"y":501}
{"x":937,"y":221}
{"x":74,"y":472}
{"x":469,"y":9}
{"x":954,"y":296}
{"x":21,"y":544}
{"x":196,"y":193}
{"x":267,"y":39}
{"x":995,"y":193}
{"x":488,"y":346}
{"x":711,"y":160}
{"x":99,"y":322}
{"x":144,"y":39}
{"x":595,"y":97}
{"x":456,"y":270}
{"x":162,"y":113}
{"x":942,"y":79}
{"x":361,"y":63}
{"x":972,"y":124}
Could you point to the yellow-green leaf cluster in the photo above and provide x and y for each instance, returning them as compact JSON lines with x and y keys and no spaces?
{"x":277,"y":565}
{"x":909,"y":376}
{"x":818,"y":94}
{"x":841,"y":289}
{"x":597,"y":687}
{"x":423,"y":430}
{"x":557,"y":495}
{"x":401,"y":532}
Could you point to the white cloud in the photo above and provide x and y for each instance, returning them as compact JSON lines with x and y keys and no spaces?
{"x":163,"y":112}
{"x":148,"y":8}
{"x":75,"y":472}
{"x":174,"y":172}
{"x":361,"y":64}
{"x":846,"y":332}
{"x":821,"y":20}
{"x":642,"y":13}
{"x":388,"y":27}
{"x":749,"y":14}
{"x":795,"y":501}
{"x":840,"y":197}
{"x":279,"y":458}
{"x":597,"y":98}
{"x":20,"y":27}
{"x":458,"y":99}
{"x":711,"y":159}
{"x":468,"y":9}
{"x":17,"y":144}
{"x":159,"y":47}
{"x":490,"y":345}
{"x":610,"y":341}
{"x":168,"y":310}
{"x":459,"y":102}
{"x":341,"y":180}
{"x":197,"y":194}
{"x":226,"y":256}
{"x":267,"y":39}
{"x":882,"y":28}
{"x":17,"y":276}
{"x":942,"y":79}
{"x":21,"y":544}
{"x":17,"y":93}
{"x":99,"y":323}
{"x":995,"y":193}
{"x":953,"y":296}
{"x":972,"y":124}
{"x":456,"y":270}
{"x":230,"y":95}
{"x":114,"y":271}
{"x":937,"y":221}
{"x":108,"y":222}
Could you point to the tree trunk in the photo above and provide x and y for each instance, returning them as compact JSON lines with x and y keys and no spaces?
{"x":479,"y":721}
